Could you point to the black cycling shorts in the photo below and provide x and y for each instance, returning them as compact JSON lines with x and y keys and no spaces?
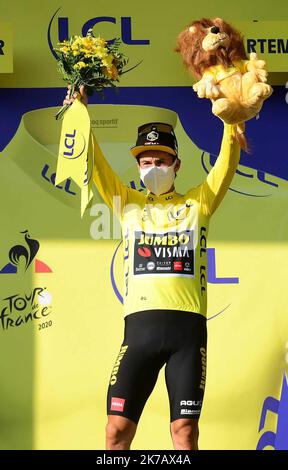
{"x":151,"y":339}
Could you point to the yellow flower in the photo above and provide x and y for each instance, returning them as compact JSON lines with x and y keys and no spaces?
{"x":100,"y":42}
{"x":113,"y":72}
{"x":64,"y":49}
{"x":100,"y":55}
{"x":77,"y":42}
{"x":64,"y":43}
{"x":88,"y":54}
{"x":87,"y":42}
{"x":80,"y":65}
{"x":86,"y":50}
{"x":107,"y":60}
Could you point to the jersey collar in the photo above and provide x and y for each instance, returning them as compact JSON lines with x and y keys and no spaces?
{"x":162,"y":198}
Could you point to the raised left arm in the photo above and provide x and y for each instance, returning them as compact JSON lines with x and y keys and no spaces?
{"x":214,"y":188}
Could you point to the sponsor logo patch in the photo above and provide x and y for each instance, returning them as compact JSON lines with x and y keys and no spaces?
{"x":117,"y":404}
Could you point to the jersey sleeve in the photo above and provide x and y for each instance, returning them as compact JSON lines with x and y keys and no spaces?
{"x":213,"y":189}
{"x":108,"y":183}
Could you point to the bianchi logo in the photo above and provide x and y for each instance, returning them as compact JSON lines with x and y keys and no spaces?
{"x":189,"y":412}
{"x":152,"y":136}
{"x":190,"y":403}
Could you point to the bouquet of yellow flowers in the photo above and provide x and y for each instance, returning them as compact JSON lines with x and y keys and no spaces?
{"x":89,"y":61}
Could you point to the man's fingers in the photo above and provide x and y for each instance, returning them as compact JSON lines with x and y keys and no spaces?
{"x":69,"y":100}
{"x":82,"y":92}
{"x":67,"y":97}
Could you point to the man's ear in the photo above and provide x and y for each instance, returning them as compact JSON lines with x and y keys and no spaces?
{"x":178,"y":164}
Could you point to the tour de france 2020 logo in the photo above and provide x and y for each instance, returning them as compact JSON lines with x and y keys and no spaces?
{"x":18,"y":308}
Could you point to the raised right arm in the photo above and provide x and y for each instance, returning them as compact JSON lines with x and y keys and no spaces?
{"x":108,"y":183}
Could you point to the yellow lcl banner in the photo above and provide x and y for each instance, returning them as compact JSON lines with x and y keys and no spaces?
{"x":75,"y":158}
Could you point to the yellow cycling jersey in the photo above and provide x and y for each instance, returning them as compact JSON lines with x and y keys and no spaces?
{"x":165,"y":237}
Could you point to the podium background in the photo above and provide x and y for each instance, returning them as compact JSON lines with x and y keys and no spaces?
{"x":55,"y":369}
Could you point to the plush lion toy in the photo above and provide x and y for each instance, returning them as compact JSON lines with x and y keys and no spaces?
{"x":213,"y":51}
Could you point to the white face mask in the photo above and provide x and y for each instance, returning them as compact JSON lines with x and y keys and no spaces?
{"x":158,"y":179}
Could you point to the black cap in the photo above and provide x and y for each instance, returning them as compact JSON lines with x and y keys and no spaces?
{"x":155,"y":135}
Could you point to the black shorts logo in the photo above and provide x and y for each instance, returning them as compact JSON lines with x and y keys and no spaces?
{"x":164,"y":253}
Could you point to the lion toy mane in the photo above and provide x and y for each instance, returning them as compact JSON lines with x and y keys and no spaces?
{"x":213,"y":52}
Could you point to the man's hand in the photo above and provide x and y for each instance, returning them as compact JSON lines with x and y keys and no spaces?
{"x":83,"y":94}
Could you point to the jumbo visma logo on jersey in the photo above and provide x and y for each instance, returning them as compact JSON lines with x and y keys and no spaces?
{"x":164,"y":253}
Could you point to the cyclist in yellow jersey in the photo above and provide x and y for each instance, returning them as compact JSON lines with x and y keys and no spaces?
{"x":164,"y":283}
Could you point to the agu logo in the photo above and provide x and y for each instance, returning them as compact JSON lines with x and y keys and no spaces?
{"x":28,"y":252}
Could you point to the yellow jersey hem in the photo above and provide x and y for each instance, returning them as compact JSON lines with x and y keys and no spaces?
{"x":185,"y":308}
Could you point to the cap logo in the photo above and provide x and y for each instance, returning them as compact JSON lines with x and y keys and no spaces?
{"x":152,"y":136}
